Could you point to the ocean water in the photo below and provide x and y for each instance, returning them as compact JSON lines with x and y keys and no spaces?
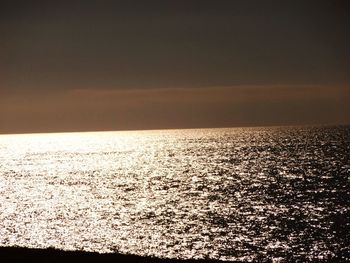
{"x":248,"y":194}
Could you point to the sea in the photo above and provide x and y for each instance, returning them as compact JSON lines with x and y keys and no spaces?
{"x":271,"y":194}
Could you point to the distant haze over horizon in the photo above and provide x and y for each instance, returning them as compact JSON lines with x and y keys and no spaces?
{"x":134,"y":65}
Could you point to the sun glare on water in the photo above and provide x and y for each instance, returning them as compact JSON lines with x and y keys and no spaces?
{"x":230,"y":194}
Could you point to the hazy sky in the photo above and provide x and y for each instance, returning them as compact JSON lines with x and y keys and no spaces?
{"x":115,"y":65}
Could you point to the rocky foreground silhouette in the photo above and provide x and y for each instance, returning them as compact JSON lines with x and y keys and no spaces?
{"x":20,"y":254}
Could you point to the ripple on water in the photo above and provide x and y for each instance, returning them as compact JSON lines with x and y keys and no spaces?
{"x":231,"y":194}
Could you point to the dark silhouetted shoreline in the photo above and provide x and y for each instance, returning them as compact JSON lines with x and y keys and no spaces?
{"x":19,"y":254}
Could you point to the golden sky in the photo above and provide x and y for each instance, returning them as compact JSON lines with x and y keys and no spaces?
{"x":109,"y":109}
{"x":116,"y":65}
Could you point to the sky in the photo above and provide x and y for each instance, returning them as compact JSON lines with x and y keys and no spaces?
{"x":125,"y":65}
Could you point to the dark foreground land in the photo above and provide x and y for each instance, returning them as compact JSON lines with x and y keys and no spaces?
{"x":18,"y":254}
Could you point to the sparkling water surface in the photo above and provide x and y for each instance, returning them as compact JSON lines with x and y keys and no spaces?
{"x":246,"y":194}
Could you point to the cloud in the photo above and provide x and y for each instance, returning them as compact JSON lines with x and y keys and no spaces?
{"x":118,"y":109}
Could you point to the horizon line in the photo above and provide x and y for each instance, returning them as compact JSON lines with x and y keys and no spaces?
{"x":184,"y":128}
